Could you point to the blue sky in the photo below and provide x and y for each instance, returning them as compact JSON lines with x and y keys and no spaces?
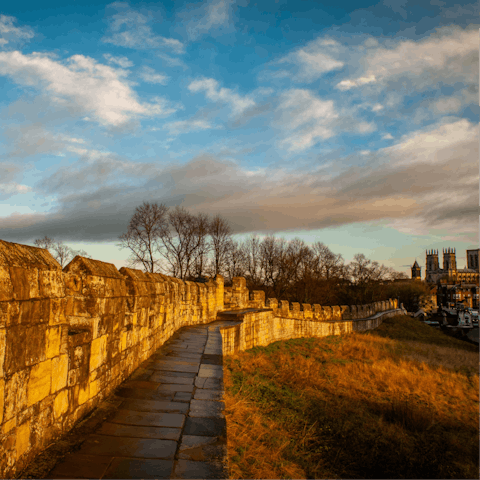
{"x":350,"y":123}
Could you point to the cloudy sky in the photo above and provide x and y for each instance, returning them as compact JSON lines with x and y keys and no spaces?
{"x":347,"y":122}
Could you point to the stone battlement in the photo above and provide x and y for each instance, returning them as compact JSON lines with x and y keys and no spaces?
{"x":238,"y":297}
{"x":69,"y":337}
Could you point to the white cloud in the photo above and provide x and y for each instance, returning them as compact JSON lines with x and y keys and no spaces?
{"x":186,"y":126}
{"x":130,"y":29}
{"x":9,"y":33}
{"x":313,"y":60}
{"x":348,"y":84}
{"x":224,"y":95}
{"x":307,"y":116}
{"x":151,"y":76}
{"x":449,"y":55}
{"x":435,"y":143}
{"x":97,"y":89}
{"x":447,"y":105}
{"x":387,"y":136}
{"x":123,"y":62}
{"x":212,"y":15}
{"x":14,"y":188}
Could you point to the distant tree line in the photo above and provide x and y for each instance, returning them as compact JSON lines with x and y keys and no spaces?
{"x":188,"y":246}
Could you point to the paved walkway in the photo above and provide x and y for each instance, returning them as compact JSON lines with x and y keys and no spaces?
{"x":169,"y":422}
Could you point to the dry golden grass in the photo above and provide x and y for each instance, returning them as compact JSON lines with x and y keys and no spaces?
{"x":358,"y":406}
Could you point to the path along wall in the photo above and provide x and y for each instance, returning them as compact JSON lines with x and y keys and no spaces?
{"x":273,"y":321}
{"x":69,"y":338}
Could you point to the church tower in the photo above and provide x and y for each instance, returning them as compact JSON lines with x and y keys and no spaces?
{"x":416,"y":271}
{"x":449,"y":262}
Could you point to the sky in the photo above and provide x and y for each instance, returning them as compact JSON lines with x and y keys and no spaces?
{"x":347,"y":122}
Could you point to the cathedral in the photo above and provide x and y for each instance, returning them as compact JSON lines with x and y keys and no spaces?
{"x":453,"y":285}
{"x":449,"y":271}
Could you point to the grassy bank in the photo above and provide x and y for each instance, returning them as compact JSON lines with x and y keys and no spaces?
{"x":397,"y":402}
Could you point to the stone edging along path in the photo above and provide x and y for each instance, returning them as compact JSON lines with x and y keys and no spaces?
{"x":168,"y":421}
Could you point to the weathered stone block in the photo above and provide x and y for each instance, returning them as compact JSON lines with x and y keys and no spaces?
{"x":23,"y":439}
{"x":59,"y":372}
{"x":39,"y":383}
{"x":24,"y":282}
{"x":15,"y":394}
{"x":60,"y":405}
{"x":51,"y":283}
{"x":82,"y":393}
{"x":35,"y":345}
{"x":34,"y":311}
{"x":6,"y":286}
{"x":53,"y":337}
{"x":98,"y":352}
{"x":73,"y":284}
{"x":57,"y":311}
{"x":2,"y":398}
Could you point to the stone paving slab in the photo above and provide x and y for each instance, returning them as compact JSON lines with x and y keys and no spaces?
{"x":144,"y":394}
{"x":169,"y":420}
{"x":203,"y":394}
{"x":77,"y":465}
{"x":206,"y":408}
{"x":148,"y":419}
{"x":189,"y":469}
{"x":175,"y":388}
{"x":212,"y":383}
{"x":182,"y":397}
{"x":153,"y":406}
{"x":173,"y":367}
{"x":163,"y":377}
{"x":211,"y":427}
{"x":139,"y":468}
{"x":199,"y":449}
{"x":117,"y":429}
{"x":128,"y":447}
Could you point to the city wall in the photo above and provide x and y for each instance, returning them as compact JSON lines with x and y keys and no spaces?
{"x":274,"y":321}
{"x":69,"y":338}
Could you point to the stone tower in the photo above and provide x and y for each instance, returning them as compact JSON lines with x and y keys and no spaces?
{"x":416,"y":271}
{"x":432,"y":261}
{"x":472,"y":259}
{"x":449,"y":262}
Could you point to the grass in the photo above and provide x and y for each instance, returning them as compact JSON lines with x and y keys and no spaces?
{"x":400,"y":401}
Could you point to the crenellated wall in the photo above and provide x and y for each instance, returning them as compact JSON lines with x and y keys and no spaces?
{"x":68,"y":338}
{"x":273,"y":320}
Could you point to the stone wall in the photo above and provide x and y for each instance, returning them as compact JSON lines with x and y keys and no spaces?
{"x":69,"y":338}
{"x":273,"y":320}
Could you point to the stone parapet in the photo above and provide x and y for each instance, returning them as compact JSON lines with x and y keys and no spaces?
{"x":69,"y":338}
{"x":261,"y":328}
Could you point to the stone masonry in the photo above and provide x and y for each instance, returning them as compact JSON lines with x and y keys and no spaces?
{"x":69,"y":338}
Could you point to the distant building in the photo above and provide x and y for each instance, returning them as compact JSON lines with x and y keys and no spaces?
{"x":416,"y":271}
{"x":467,"y":275}
{"x":453,"y":285}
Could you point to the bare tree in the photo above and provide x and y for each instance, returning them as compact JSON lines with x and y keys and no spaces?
{"x":183,"y":240}
{"x":220,"y":233}
{"x":236,"y":263}
{"x":199,"y":263}
{"x":273,"y":251}
{"x":328,"y":264}
{"x":146,"y":228}
{"x":251,"y":252}
{"x":62,"y":253}
{"x":45,"y":242}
